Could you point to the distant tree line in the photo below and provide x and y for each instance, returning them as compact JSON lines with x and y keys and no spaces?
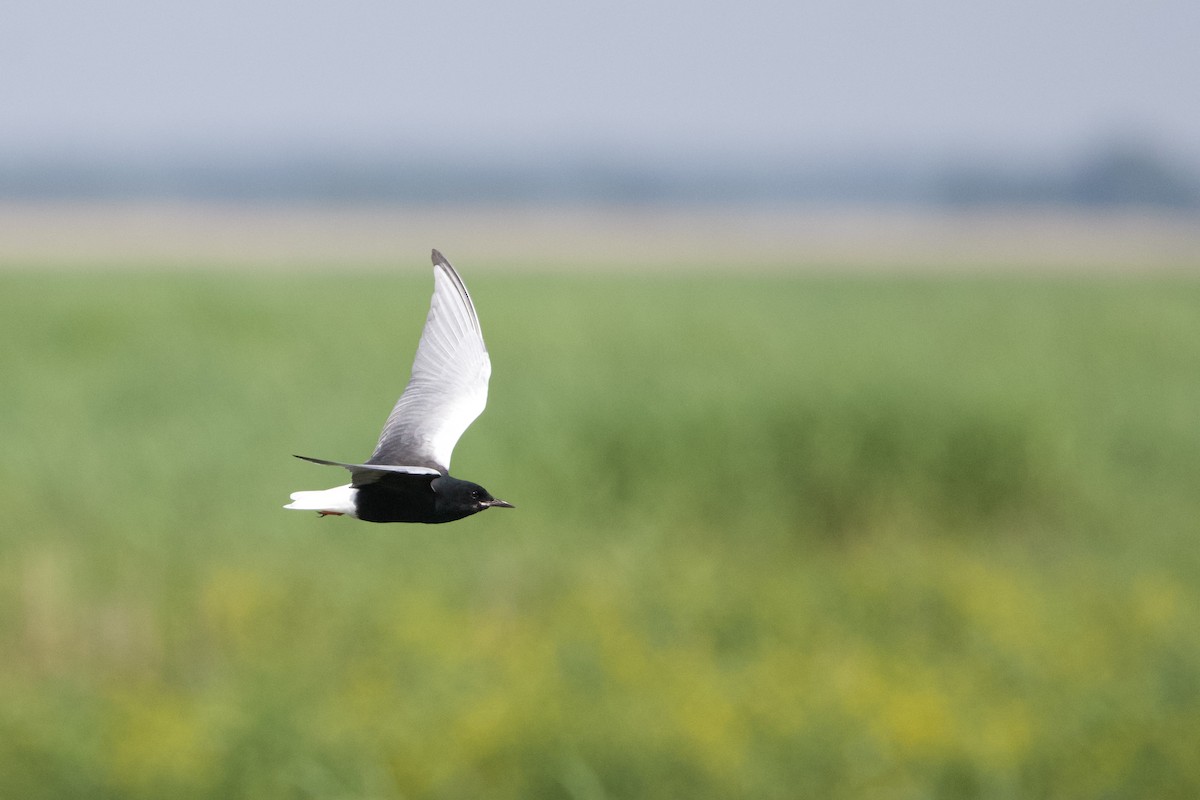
{"x":1123,"y":174}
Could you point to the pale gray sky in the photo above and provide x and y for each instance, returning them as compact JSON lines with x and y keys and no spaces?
{"x":636,"y":76}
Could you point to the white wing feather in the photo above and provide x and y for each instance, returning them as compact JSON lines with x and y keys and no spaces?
{"x":448,"y":388}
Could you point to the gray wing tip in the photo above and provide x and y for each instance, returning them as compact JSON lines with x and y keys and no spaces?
{"x":441,"y":262}
{"x":317,"y":460}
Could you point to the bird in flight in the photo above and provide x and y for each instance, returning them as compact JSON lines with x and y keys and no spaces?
{"x":407,"y":478}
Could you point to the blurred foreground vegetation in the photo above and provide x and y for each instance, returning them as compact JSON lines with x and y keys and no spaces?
{"x":775,"y":538}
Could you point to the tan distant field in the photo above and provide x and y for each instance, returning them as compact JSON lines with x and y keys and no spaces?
{"x":175,"y":235}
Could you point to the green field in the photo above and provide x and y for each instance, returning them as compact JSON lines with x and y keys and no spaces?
{"x":806,"y":537}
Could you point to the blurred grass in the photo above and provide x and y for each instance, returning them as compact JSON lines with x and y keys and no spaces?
{"x":775,"y":537}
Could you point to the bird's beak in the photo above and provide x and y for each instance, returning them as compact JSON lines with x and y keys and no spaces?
{"x":499,"y":504}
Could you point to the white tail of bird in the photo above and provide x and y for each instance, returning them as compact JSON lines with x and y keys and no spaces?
{"x":338,"y":500}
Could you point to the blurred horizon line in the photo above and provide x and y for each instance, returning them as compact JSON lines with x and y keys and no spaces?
{"x":188,"y":235}
{"x":1124,"y":173}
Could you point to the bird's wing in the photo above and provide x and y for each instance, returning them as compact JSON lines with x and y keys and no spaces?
{"x":448,"y":388}
{"x":369,"y":473}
